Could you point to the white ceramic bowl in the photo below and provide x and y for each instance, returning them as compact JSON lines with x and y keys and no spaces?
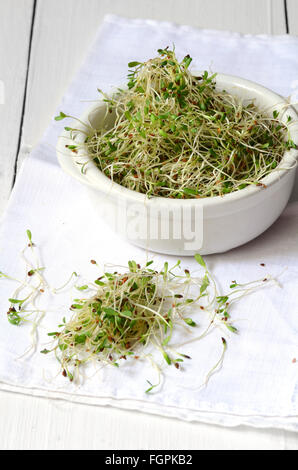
{"x":165,"y":225}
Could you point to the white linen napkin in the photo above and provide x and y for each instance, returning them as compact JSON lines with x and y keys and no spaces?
{"x":258,"y":383}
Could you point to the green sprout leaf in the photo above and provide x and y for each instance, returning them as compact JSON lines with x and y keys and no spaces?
{"x":80,"y":288}
{"x":200,"y":260}
{"x":205,"y":284}
{"x":45,"y":351}
{"x":134,"y":64}
{"x":187,"y":60}
{"x":70,"y":376}
{"x":29,"y":235}
{"x":222,"y":299}
{"x":80,"y":339}
{"x":162,"y":133}
{"x":14,"y":319}
{"x":61,"y":116}
{"x":233,"y":285}
{"x":16,"y":301}
{"x":110,"y":312}
{"x":151,"y":387}
{"x":232,"y":328}
{"x":167,"y":358}
{"x":190,"y":192}
{"x":190,"y":322}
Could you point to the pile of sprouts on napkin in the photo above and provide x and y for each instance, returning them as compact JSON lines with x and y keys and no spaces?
{"x":127,"y":314}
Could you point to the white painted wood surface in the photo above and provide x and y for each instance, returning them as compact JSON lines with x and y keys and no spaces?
{"x":15,"y":25}
{"x":292,"y":10}
{"x":62,"y":33}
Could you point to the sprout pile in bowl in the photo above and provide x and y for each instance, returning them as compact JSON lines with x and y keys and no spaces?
{"x":176,"y":135}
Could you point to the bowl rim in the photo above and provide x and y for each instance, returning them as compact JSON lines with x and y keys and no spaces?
{"x":98,"y":180}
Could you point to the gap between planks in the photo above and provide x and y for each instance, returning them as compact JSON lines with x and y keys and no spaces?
{"x":25,"y":92}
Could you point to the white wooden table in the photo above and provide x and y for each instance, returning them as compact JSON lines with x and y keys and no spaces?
{"x":42,"y":43}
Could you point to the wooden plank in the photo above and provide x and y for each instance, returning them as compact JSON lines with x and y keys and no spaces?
{"x":15,"y":24}
{"x":64,"y":29}
{"x":292,"y":14}
{"x":54,"y":424}
{"x":277,"y":17}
